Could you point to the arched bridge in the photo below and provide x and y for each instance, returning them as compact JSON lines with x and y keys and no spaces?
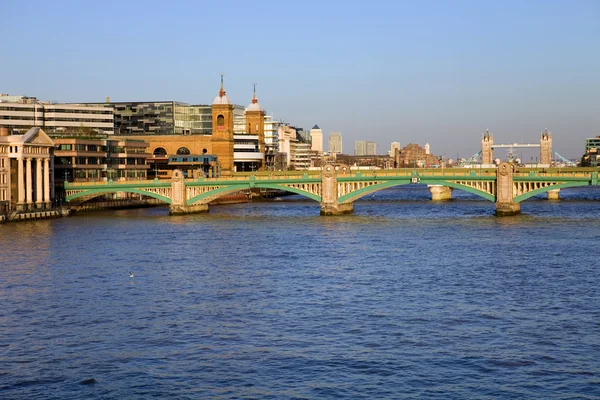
{"x":336,"y":188}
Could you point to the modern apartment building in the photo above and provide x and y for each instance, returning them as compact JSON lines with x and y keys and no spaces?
{"x":296,"y":153}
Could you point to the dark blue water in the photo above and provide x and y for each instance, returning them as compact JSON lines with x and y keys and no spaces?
{"x":404,"y":299}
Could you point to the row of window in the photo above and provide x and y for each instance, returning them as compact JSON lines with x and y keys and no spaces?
{"x":88,"y":111}
{"x":93,"y":174}
{"x":19,"y":118}
{"x":103,"y":149}
{"x":99,"y":161}
{"x":55,"y":110}
{"x":23,"y":109}
{"x":106,"y":121}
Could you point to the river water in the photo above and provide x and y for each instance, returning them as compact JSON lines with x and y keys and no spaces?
{"x":406,"y":298}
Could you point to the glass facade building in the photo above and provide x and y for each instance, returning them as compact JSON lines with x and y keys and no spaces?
{"x":161,"y":118}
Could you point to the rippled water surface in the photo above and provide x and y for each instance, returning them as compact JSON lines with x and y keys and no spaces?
{"x":406,"y":298}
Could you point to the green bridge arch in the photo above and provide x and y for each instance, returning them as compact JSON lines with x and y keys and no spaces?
{"x":535,"y":192}
{"x":92,"y":193}
{"x":464,"y":188}
{"x":351,"y":197}
{"x":236,"y":188}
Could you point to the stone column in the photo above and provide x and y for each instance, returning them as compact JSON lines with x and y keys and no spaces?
{"x":329,"y":193}
{"x":38,"y":181}
{"x":553,"y":194}
{"x":20,"y":185}
{"x":28,"y":184}
{"x":47,"y":183}
{"x":179,"y":199}
{"x":440,"y":193}
{"x":505,"y":204}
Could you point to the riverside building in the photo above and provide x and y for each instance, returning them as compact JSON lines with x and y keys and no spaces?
{"x":25,"y":171}
{"x":19,"y":113}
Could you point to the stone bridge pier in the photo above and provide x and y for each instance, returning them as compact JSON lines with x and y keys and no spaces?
{"x":440,"y":193}
{"x":179,"y":198}
{"x":329,"y":192}
{"x":505,"y":204}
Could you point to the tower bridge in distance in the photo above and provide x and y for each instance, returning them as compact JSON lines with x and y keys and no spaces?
{"x":545,"y":146}
{"x":336,"y":187}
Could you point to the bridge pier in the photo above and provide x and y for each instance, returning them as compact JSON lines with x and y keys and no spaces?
{"x":181,"y":210}
{"x":505,"y":204}
{"x":330,"y":191}
{"x":507,"y":209}
{"x":553,"y":194}
{"x":337,"y":209}
{"x":179,"y":204}
{"x":440,"y":193}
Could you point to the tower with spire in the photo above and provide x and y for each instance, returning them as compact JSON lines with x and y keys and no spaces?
{"x":546,"y":148}
{"x":222,"y":130}
{"x":255,"y":122}
{"x":487,"y":153}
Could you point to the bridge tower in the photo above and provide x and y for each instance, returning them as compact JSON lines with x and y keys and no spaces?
{"x":487,"y":154}
{"x":222,"y":130}
{"x":546,"y":148}
{"x":255,"y":123}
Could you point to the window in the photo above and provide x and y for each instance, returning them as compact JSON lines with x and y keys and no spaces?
{"x":183,"y":151}
{"x":160,"y":152}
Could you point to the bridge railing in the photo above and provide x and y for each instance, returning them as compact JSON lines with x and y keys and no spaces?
{"x":111,"y":182}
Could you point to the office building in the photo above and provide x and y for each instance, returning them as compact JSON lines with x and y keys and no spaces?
{"x":25,"y":113}
{"x":360,"y":148}
{"x":371,"y":148}
{"x":159,"y":118}
{"x":335,"y":142}
{"x":316,"y":137}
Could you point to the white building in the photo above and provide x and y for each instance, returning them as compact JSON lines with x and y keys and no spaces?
{"x":25,"y":170}
{"x":316,"y":137}
{"x":297,"y":154}
{"x":335,"y":142}
{"x":54,"y":118}
{"x":271,"y":137}
{"x":393,"y":147}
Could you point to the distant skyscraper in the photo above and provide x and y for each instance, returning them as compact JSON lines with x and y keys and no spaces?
{"x":393,"y":147}
{"x":360,"y":148}
{"x":316,"y":137}
{"x":427,"y":149}
{"x":335,"y":142}
{"x":371,"y":149}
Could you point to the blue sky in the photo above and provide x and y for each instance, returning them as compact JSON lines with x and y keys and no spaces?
{"x":437,"y":72}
